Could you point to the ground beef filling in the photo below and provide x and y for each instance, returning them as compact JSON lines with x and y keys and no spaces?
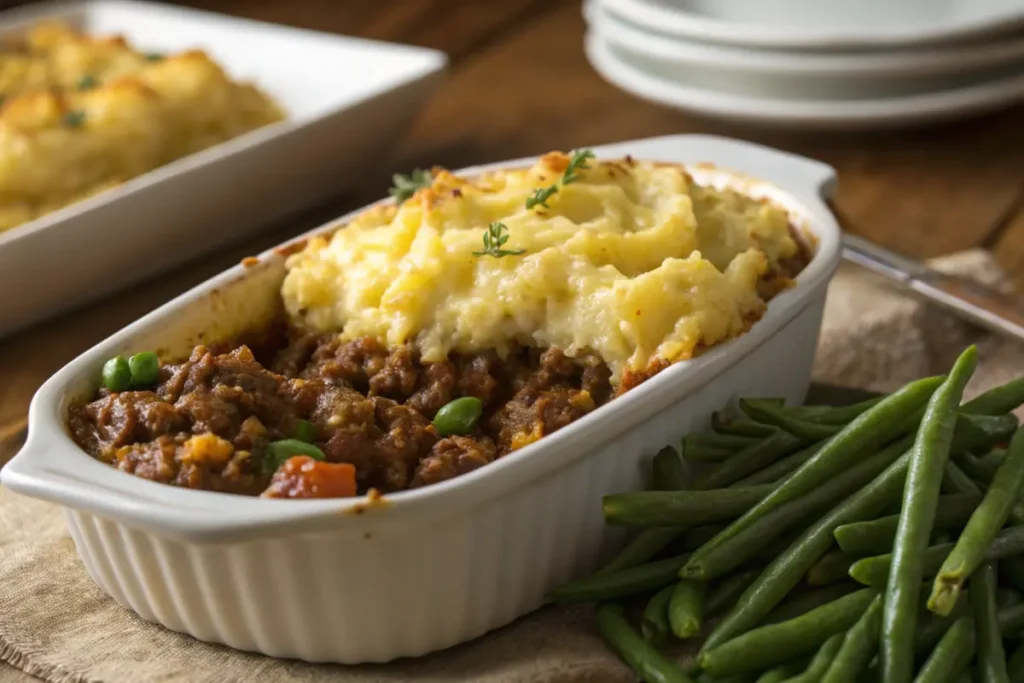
{"x":208,"y":422}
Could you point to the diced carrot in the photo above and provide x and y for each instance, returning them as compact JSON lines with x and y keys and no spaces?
{"x":304,"y":477}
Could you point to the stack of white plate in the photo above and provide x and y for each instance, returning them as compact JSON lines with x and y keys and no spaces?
{"x":814,"y":63}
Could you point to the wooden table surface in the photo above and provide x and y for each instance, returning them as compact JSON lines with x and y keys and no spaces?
{"x":519,"y":84}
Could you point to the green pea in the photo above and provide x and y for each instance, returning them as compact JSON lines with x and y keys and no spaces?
{"x":304,"y":431}
{"x":458,"y":416}
{"x":145,"y":369}
{"x":279,"y":451}
{"x":117,"y":375}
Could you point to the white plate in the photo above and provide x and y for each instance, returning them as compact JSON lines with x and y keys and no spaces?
{"x":638,"y":77}
{"x":346,"y":99}
{"x":906,"y":63}
{"x":814,"y":24}
{"x":802,"y":75}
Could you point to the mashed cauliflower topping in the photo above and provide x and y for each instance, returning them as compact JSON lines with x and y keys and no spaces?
{"x":633,"y":261}
{"x":81,"y":114}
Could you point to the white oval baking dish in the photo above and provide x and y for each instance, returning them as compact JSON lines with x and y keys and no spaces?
{"x":351,"y":580}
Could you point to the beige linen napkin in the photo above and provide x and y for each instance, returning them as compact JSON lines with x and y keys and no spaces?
{"x":55,"y":624}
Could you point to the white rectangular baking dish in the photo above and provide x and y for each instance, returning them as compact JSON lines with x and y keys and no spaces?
{"x":346,"y":99}
{"x":349,"y":580}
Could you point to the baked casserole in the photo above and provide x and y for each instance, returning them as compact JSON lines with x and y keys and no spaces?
{"x":80,"y":114}
{"x":471,"y":317}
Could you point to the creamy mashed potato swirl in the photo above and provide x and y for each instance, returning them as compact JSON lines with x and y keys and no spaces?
{"x":633,"y":261}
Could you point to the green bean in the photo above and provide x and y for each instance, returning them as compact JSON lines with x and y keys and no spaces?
{"x":727,"y":442}
{"x":920,"y":498}
{"x":700,"y":535}
{"x":802,"y":602}
{"x":740,"y":427}
{"x":654,"y":625}
{"x":876,"y":536}
{"x":873,"y":571}
{"x":834,"y":566}
{"x":680,"y":508}
{"x":879,"y":425}
{"x":777,"y":416}
{"x":784,"y":672}
{"x":643,"y":658}
{"x":1007,"y":596}
{"x":786,"y":570}
{"x":708,"y":564}
{"x":834,"y":414}
{"x":749,"y":460}
{"x":820,"y":662}
{"x":955,"y":480}
{"x":982,"y":528}
{"x":767,"y":646}
{"x":686,"y":609}
{"x":728,"y":590}
{"x":645,"y":577}
{"x":1011,"y":618}
{"x":858,"y":647}
{"x":1015,"y":665}
{"x":996,"y":401}
{"x":668,"y":473}
{"x":951,"y":656}
{"x":989,"y":641}
{"x":706,"y":453}
{"x":933,"y":626}
{"x":982,"y":471}
{"x":458,"y":416}
{"x":1011,"y":569}
{"x":780,"y":468}
{"x":983,"y":431}
{"x":641,"y":548}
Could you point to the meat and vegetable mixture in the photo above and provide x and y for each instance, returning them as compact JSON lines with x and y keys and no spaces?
{"x":325,"y":418}
{"x":431,"y":330}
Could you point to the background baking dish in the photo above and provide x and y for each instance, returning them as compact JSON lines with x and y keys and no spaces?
{"x":345,"y":99}
{"x":349,"y":580}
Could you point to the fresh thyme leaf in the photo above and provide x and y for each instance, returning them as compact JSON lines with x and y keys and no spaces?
{"x":541,"y":196}
{"x":577,"y":162}
{"x":405,"y":186}
{"x":74,"y":119}
{"x":494,"y":239}
{"x":87,"y":82}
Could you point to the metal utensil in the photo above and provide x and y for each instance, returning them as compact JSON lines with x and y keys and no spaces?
{"x":981,"y":305}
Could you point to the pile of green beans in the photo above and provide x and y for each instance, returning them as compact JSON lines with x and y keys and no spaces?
{"x":881,"y":541}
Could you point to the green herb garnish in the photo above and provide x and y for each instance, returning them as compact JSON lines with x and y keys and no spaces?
{"x":405,"y":186}
{"x":153,"y":56}
{"x":577,"y":163}
{"x":74,"y":119}
{"x":87,"y":82}
{"x":494,"y":239}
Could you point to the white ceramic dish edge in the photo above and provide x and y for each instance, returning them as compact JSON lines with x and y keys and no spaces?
{"x":187,"y":207}
{"x":488,"y":545}
{"x":910,"y":110}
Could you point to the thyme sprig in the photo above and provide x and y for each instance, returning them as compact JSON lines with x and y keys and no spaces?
{"x":577,"y":163}
{"x":405,"y":186}
{"x":494,"y":239}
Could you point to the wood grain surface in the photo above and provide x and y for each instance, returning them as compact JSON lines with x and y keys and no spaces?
{"x":519,"y":84}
